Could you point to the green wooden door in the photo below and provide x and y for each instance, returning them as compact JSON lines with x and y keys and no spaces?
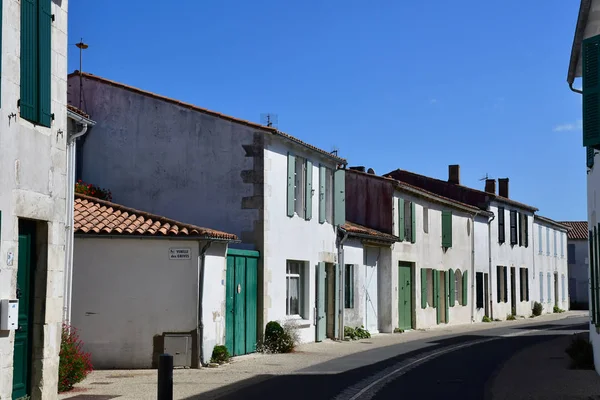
{"x":404,"y":297}
{"x":23,"y":336}
{"x":447,"y":296}
{"x":241,"y":299}
{"x":321,"y":322}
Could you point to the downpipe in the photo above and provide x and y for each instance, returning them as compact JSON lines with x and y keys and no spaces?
{"x":340,"y":246}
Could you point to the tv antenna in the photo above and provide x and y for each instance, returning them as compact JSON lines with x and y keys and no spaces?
{"x":82,"y":46}
{"x":335,"y":150}
{"x":268,"y":119}
{"x":485,"y":178}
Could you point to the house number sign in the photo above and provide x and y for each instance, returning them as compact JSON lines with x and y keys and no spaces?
{"x":180,"y":253}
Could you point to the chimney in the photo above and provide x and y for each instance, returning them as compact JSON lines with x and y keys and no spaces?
{"x":454,"y":174}
{"x":503,"y":187}
{"x":490,"y":186}
{"x":361,"y":169}
{"x":371,"y":171}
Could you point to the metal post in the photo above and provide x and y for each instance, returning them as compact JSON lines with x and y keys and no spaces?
{"x":165,"y":377}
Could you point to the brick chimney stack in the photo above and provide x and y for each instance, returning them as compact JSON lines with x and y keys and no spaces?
{"x":503,"y":187}
{"x":490,"y":186}
{"x":454,"y":174}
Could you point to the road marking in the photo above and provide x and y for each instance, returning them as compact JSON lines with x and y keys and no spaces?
{"x":404,"y":368}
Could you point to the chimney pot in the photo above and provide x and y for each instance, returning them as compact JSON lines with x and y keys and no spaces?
{"x":454,"y":174}
{"x":360,"y":168}
{"x":371,"y":171}
{"x":503,"y":187}
{"x":490,"y":186}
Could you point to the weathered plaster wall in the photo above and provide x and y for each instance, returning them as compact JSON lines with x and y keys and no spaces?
{"x":578,"y":273}
{"x":354,"y":254}
{"x":368,"y":201}
{"x":291,"y":238}
{"x":33,"y":165}
{"x":127,"y":291}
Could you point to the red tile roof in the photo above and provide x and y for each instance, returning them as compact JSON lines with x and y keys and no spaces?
{"x":77,"y":111}
{"x":353,"y":228}
{"x":270,"y":129}
{"x":578,"y":229}
{"x":100,"y":217}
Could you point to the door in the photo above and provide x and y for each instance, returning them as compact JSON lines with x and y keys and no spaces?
{"x":23,"y":336}
{"x":321,"y":322}
{"x":404,"y":296}
{"x":513,"y":292}
{"x":486,"y":294}
{"x":241,"y":299}
{"x":331,"y":299}
{"x":372,"y":322}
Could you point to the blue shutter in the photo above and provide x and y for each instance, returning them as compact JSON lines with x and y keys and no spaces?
{"x":28,"y":103}
{"x":45,"y":61}
{"x":291,"y":184}
{"x":339,"y":195}
{"x":541,"y":287}
{"x":590,"y":72}
{"x":322,"y":196}
{"x":308,"y":202}
{"x":549,"y":288}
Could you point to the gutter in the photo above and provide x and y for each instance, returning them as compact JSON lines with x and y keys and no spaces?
{"x":491,"y":302}
{"x":125,"y":236}
{"x":340,"y":246}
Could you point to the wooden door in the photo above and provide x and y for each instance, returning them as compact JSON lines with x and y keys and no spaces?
{"x":404,"y":296}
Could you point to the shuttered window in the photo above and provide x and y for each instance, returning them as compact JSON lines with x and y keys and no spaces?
{"x":590,"y":73}
{"x":349,"y":286}
{"x":501,"y":226}
{"x":424,"y":288}
{"x":339,"y":197}
{"x":547,"y":241}
{"x":513,"y":227}
{"x":36,"y":26}
{"x":555,"y":244}
{"x":525,"y":230}
{"x":541,"y":287}
{"x":501,"y":290}
{"x":453,"y":286}
{"x":447,"y":229}
{"x":465,"y":287}
{"x":401,"y":217}
{"x":479,"y":289}
{"x":549,"y":287}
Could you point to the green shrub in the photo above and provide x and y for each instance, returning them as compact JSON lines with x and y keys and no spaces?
{"x":279,"y":339}
{"x":398,"y":330}
{"x":510,"y":317}
{"x":557,"y":310}
{"x":349,"y":333}
{"x":362,"y":333}
{"x":356,"y":333}
{"x":581,"y":352}
{"x":537,"y":309}
{"x":220,"y":355}
{"x":486,"y":319}
{"x":74,"y":364}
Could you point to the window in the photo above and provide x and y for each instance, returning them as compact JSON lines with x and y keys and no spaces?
{"x":549,"y":288}
{"x":299,"y":186}
{"x":571,"y":253}
{"x":524,"y":278}
{"x":447,"y":229}
{"x":501,"y":225}
{"x":349,"y":286}
{"x":562,"y":245}
{"x":430,"y":287}
{"x":562,"y":286}
{"x":513,"y":227}
{"x":294,"y":288}
{"x":555,"y":244}
{"x":458,"y":289}
{"x":501,"y":279}
{"x":36,"y":72}
{"x":406,"y":221}
{"x":540,"y":240}
{"x":523,"y":230}
{"x":479,"y":289}
{"x":547,"y":241}
{"x":426,"y":219}
{"x":329,"y":195}
{"x":541,"y":287}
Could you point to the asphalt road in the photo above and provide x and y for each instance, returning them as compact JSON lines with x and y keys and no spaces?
{"x":449,"y":367}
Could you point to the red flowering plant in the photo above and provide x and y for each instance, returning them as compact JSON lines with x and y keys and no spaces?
{"x":74,"y":364}
{"x":92,"y":190}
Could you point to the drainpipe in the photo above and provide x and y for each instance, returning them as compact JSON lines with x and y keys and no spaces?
{"x":201,"y":262}
{"x":340,"y":246}
{"x":573,"y":89}
{"x":70,"y":204}
{"x":491,"y":303}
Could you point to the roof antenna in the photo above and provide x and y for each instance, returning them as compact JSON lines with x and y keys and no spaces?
{"x":82,"y":46}
{"x":335,"y":151}
{"x":268,"y":119}
{"x":485,"y":178}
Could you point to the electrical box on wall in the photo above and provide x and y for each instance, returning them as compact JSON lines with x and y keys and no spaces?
{"x":9,"y":315}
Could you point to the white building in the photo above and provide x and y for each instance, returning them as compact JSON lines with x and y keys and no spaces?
{"x":577,"y":258}
{"x":191,"y":164}
{"x":551,"y":268}
{"x":586,"y":52}
{"x":33,"y":126}
{"x":144,"y":285}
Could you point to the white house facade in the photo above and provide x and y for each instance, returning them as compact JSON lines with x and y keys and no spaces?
{"x":578,"y":260}
{"x":551,"y":264}
{"x":33,"y":125}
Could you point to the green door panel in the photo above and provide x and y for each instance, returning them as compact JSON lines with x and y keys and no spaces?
{"x":321,"y":323}
{"x":229,"y":308}
{"x":446,"y":284}
{"x":239,"y":294}
{"x":404,"y":297}
{"x":251,"y":300}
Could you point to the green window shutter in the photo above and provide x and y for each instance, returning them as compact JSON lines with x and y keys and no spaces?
{"x":308,"y":202}
{"x":447,"y":228}
{"x":413,"y":238}
{"x":590,"y":157}
{"x":526,"y":239}
{"x":498,"y":284}
{"x":28,"y":103}
{"x":423,"y":288}
{"x":436,"y":287}
{"x":45,"y":60}
{"x":465,"y":288}
{"x":322,"y":196}
{"x":591,"y":91}
{"x":505,"y":269}
{"x":452,"y":285}
{"x":290,"y":183}
{"x":339,"y":184}
{"x":401,"y":219}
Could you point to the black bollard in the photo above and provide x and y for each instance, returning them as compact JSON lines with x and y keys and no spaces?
{"x":165,"y":377}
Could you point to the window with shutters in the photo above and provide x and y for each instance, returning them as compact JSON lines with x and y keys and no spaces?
{"x":329,"y":195}
{"x":541,"y":287}
{"x":555,"y":244}
{"x":426,"y":219}
{"x":446,"y":229}
{"x":430,"y":287}
{"x":349,"y":286}
{"x":547,"y":241}
{"x":513,"y":227}
{"x":523,"y":230}
{"x":501,"y":283}
{"x":295,"y":284}
{"x":408,"y":218}
{"x":562,"y":245}
{"x":540,"y":240}
{"x":36,"y":71}
{"x":479,"y":289}
{"x":590,"y":73}
{"x":571,"y":253}
{"x":300,"y":186}
{"x":501,"y":225}
{"x":549,"y":287}
{"x":524,"y":279}
{"x":458,"y":289}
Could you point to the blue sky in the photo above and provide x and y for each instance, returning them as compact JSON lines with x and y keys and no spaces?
{"x":415,"y":85}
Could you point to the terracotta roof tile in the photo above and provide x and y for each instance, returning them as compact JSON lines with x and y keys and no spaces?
{"x":578,"y":229}
{"x":95,"y":216}
{"x":77,"y":111}
{"x":265,"y":128}
{"x":351,"y":227}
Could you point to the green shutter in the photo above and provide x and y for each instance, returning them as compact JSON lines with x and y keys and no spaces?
{"x":322,"y":196}
{"x":28,"y":103}
{"x":452,"y":285}
{"x":423,"y":288}
{"x":45,"y":60}
{"x":413,"y":222}
{"x":592,"y":260}
{"x":465,"y":288}
{"x":308,"y":202}
{"x":436,"y":289}
{"x":446,"y":291}
{"x":436,"y":294}
{"x":290,"y":187}
{"x":446,"y":228}
{"x":339,"y":184}
{"x":591,"y":91}
{"x":401,"y":219}
{"x":590,"y":157}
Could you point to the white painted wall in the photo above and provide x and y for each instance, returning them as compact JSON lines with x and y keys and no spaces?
{"x":354,"y":254}
{"x":127,"y":291}
{"x":482,"y":245}
{"x":427,"y":252}
{"x":546,"y":262}
{"x":33,"y":186}
{"x":292,"y":238}
{"x":578,"y":273}
{"x":593,"y":190}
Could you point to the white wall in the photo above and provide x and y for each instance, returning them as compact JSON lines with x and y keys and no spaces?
{"x":33,"y":186}
{"x":127,"y":291}
{"x":578,"y":273}
{"x":482,"y":244}
{"x":354,"y":254}
{"x":427,"y":252}
{"x":291,"y":238}
{"x":593,"y":190}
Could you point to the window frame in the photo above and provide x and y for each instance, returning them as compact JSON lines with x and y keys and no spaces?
{"x":329,"y":198}
{"x":300,"y":187}
{"x":301,"y":275}
{"x":501,"y":225}
{"x":514,"y":233}
{"x":349,"y":301}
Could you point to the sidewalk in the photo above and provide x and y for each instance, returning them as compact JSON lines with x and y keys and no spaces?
{"x":249,"y":369}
